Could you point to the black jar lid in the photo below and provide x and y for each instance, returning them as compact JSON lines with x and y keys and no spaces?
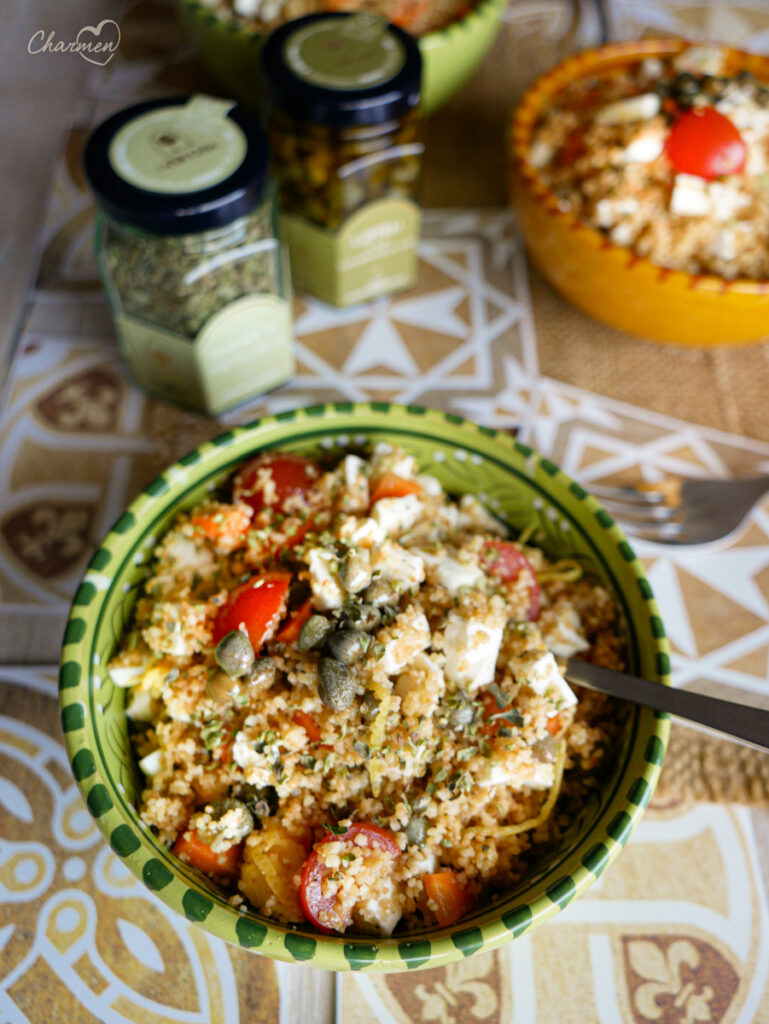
{"x":342,"y":69}
{"x":177,"y":166}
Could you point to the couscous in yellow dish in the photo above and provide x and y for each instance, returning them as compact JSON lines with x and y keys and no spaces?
{"x":667,"y":157}
{"x":345,"y":693}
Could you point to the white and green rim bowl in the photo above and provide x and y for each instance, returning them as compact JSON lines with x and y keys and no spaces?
{"x":450,"y":55}
{"x":518,"y":485}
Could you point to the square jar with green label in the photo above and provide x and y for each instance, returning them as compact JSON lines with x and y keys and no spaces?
{"x":189,"y":250}
{"x":345,"y":146}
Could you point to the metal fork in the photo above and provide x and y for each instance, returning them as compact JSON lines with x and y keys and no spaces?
{"x":682,"y":511}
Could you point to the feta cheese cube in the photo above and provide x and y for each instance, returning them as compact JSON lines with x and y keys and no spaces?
{"x":124,"y":675}
{"x":538,"y":670}
{"x":541,"y":153}
{"x":385,"y":908}
{"x":446,"y":571}
{"x":411,"y":634}
{"x":151,"y":764}
{"x":396,"y":515}
{"x":726,"y":199}
{"x":397,"y":565}
{"x":504,"y":772}
{"x":430,"y":485}
{"x":386,"y":458}
{"x":326,"y":590}
{"x":701,"y":60}
{"x":471,"y":645}
{"x":563,"y":637}
{"x":364,"y":532}
{"x":644,"y":148}
{"x":140,"y":707}
{"x":634,"y":108}
{"x":690,"y":196}
{"x":182,"y":552}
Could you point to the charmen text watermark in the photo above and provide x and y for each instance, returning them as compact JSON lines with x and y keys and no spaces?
{"x":95,"y":43}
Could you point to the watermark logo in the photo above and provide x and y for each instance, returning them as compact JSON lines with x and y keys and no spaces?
{"x":97,"y":44}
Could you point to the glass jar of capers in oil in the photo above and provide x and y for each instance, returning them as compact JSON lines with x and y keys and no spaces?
{"x":188,"y":248}
{"x":344,"y":133}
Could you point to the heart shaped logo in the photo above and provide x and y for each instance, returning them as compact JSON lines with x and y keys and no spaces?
{"x":95,"y":49}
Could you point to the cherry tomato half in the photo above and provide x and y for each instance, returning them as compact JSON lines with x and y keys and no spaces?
{"x":705,"y":143}
{"x":291,"y":475}
{"x":314,"y":904}
{"x":503,"y":559}
{"x":259,"y":604}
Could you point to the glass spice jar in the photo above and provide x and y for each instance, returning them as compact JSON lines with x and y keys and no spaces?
{"x":343,"y":127}
{"x":188,"y":248}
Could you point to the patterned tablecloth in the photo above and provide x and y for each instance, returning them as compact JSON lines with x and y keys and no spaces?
{"x":676,"y":932}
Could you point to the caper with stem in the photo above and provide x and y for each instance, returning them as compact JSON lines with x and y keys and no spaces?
{"x":234,"y":653}
{"x":381,"y":592}
{"x":362,"y":616}
{"x":262,"y":673}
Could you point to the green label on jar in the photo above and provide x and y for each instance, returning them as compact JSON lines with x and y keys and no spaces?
{"x":243,"y":350}
{"x":358,"y":52}
{"x":374,"y":252}
{"x":179,"y":149}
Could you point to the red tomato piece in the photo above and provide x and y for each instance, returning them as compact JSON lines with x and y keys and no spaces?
{"x":390,"y":485}
{"x":553,"y":725}
{"x":706,"y":143}
{"x":503,"y":559}
{"x":190,"y":847}
{"x":309,"y":725}
{"x":290,"y":475}
{"x":314,"y":904}
{"x":292,"y":627}
{"x":447,"y":890}
{"x":259,"y":604}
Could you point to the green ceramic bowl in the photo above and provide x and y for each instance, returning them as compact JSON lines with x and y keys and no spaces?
{"x":519,"y":485}
{"x":230,"y":54}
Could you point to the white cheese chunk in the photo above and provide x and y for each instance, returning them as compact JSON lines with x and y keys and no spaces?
{"x":690,"y":196}
{"x":474,"y":516}
{"x":151,"y":764}
{"x":140,"y":707}
{"x":563,"y":637}
{"x":326,"y":590}
{"x":353,"y":468}
{"x":634,"y":108}
{"x":541,"y":153}
{"x":726,"y":199}
{"x":387,"y":459}
{"x":609,"y":211}
{"x":385,"y":908}
{"x":446,"y":571}
{"x":185,"y":553}
{"x":364,"y":532}
{"x":539,"y":671}
{"x":534,"y":775}
{"x":396,"y":515}
{"x":397,"y":565}
{"x":644,"y":148}
{"x":430,"y":485}
{"x":471,"y":645}
{"x":125,"y":675}
{"x":411,"y":634}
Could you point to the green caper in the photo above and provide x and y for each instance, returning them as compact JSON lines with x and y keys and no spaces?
{"x":420,"y":805}
{"x":221,"y":688}
{"x":369,"y":706}
{"x":243,"y":821}
{"x":336,"y":686}
{"x":262,"y":673}
{"x":363,"y":616}
{"x":348,"y":645}
{"x":355,"y":571}
{"x":234,"y":654}
{"x":461,"y":716}
{"x":416,"y":830}
{"x":313,"y":633}
{"x":381,"y":592}
{"x":361,"y":749}
{"x":261,"y":801}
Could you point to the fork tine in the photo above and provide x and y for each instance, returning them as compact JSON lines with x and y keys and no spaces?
{"x":642,"y":513}
{"x":667,"y":532}
{"x":626,"y":495}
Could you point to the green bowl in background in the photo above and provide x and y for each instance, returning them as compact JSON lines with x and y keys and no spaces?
{"x":230,"y":54}
{"x":517,"y":484}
